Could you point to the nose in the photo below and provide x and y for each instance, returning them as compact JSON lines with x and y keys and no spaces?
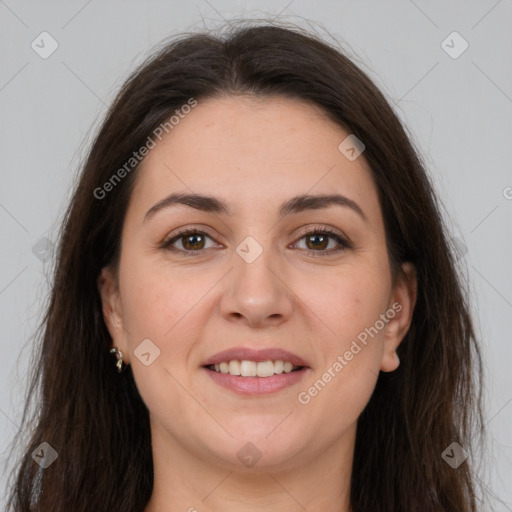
{"x":256,"y":293}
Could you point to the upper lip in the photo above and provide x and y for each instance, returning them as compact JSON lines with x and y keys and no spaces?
{"x":257,"y":355}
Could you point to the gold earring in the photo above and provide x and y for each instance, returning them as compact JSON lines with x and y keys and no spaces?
{"x":119,"y":355}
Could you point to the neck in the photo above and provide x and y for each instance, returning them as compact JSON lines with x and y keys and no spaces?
{"x":188,"y":483}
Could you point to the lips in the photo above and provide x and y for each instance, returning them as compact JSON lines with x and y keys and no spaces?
{"x":256,"y":355}
{"x":254,"y":372}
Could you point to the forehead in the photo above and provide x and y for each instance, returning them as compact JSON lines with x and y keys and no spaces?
{"x":248,"y":150}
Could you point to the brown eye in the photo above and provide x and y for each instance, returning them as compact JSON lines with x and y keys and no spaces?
{"x":317,"y":242}
{"x":192,"y":241}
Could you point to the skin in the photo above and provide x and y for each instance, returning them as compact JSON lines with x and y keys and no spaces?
{"x":254,"y":154}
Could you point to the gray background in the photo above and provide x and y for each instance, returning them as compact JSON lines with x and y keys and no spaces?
{"x":457,"y":110}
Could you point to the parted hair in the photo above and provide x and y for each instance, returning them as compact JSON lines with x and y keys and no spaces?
{"x":90,"y":414}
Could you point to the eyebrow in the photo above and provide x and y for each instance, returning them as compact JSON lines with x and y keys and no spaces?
{"x":294,"y":205}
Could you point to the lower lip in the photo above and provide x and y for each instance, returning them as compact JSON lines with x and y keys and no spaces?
{"x":256,"y":385}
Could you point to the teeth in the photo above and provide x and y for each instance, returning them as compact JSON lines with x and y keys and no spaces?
{"x":265,"y":369}
{"x":234,"y":367}
{"x":246,"y":368}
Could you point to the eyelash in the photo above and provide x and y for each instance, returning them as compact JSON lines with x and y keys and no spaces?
{"x":345,"y":244}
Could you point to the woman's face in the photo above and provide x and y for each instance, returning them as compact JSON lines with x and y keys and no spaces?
{"x":255,"y":282}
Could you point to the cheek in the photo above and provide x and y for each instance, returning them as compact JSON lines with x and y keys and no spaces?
{"x":162,"y":304}
{"x":352,"y":361}
{"x":156,"y":297}
{"x":351,"y":352}
{"x":350,"y":302}
{"x":350,"y":358}
{"x":159,"y":306}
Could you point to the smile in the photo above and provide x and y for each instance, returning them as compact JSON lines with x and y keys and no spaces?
{"x":256,"y":380}
{"x":247,"y":368}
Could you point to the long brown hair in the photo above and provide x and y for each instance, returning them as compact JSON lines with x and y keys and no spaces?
{"x":95,"y":419}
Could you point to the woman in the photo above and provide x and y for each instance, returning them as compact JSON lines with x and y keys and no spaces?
{"x":256,"y":242}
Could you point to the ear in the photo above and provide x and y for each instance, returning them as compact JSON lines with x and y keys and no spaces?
{"x":108,"y":288}
{"x":403,"y":300}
